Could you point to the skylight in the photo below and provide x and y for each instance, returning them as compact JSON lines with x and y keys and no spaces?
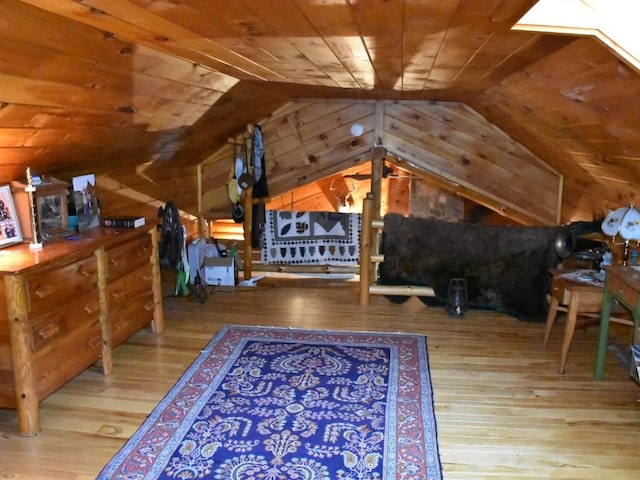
{"x":614,"y":22}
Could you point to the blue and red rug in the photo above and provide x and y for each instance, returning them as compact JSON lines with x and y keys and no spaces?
{"x":275,"y":404}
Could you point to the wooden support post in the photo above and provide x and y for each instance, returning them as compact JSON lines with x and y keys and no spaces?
{"x":157,"y":324}
{"x":559,"y":202}
{"x":248,"y":142}
{"x":378,"y":154}
{"x":377,"y":170}
{"x":24,"y":375}
{"x":105,"y":326}
{"x":365,"y":249}
{"x":247,"y":252}
{"x":203,"y":225}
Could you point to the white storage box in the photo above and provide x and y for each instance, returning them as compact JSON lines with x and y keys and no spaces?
{"x":219,"y":271}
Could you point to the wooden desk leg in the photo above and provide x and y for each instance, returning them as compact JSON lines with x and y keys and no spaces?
{"x":572,"y":316}
{"x":604,"y":333}
{"x":551,"y":317}
{"x":24,"y":375}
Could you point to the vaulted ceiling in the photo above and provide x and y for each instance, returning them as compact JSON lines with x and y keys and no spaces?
{"x":135,"y":89}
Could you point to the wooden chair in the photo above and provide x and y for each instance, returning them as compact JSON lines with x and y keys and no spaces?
{"x":582,"y":303}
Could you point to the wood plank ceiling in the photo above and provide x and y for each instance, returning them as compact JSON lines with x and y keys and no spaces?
{"x":143,"y":90}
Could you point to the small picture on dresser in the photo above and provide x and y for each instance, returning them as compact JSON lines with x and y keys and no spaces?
{"x":9,"y":227}
{"x":86,"y":201}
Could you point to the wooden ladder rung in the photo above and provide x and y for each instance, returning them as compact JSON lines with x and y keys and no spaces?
{"x":407,"y":290}
{"x":369,"y":261}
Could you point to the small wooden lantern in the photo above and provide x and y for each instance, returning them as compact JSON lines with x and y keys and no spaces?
{"x":51,"y":197}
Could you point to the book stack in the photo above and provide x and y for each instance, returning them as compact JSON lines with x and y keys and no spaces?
{"x":123,"y":222}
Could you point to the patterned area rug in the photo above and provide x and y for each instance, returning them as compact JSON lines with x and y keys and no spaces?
{"x":311,"y":238}
{"x":277,"y":404}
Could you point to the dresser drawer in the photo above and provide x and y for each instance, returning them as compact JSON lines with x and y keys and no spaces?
{"x":622,"y":291}
{"x":65,"y":357}
{"x":7,"y":392}
{"x":129,"y":256}
{"x":58,"y":286}
{"x":131,"y":285}
{"x":127,"y":321}
{"x":62,"y":321}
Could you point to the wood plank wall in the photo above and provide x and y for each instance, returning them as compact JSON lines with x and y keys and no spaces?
{"x":595,"y":147}
{"x":310,"y":141}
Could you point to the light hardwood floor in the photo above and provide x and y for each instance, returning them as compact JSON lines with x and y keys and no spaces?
{"x":503,"y":411}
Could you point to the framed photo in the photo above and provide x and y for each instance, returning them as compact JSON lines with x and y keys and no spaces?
{"x":9,"y":225}
{"x":52,"y":210}
{"x":86,"y":200}
{"x":50,"y":200}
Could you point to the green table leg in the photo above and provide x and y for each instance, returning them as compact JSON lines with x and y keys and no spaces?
{"x":604,"y":333}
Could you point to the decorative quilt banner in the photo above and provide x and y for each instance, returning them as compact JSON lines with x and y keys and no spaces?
{"x":311,"y":238}
{"x":275,"y":403}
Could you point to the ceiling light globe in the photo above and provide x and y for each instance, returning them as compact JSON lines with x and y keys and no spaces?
{"x":357,"y":129}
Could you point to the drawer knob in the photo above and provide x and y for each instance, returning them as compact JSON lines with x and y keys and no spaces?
{"x":83,"y":272}
{"x":48,"y":331}
{"x":44,"y":291}
{"x":92,"y":307}
{"x":117,"y":294}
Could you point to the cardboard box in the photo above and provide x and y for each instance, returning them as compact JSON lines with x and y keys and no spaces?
{"x":219,"y":271}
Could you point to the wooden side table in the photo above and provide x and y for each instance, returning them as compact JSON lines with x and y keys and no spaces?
{"x":623,"y":285}
{"x":576,"y":300}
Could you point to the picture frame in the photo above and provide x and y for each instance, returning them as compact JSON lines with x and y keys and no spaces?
{"x":52,"y":210}
{"x":10,"y":232}
{"x":50,"y":200}
{"x":86,"y":200}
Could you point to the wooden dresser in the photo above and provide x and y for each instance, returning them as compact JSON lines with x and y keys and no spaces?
{"x":68,"y":305}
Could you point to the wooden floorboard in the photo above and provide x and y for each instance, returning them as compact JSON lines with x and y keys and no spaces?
{"x":503,"y":410}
